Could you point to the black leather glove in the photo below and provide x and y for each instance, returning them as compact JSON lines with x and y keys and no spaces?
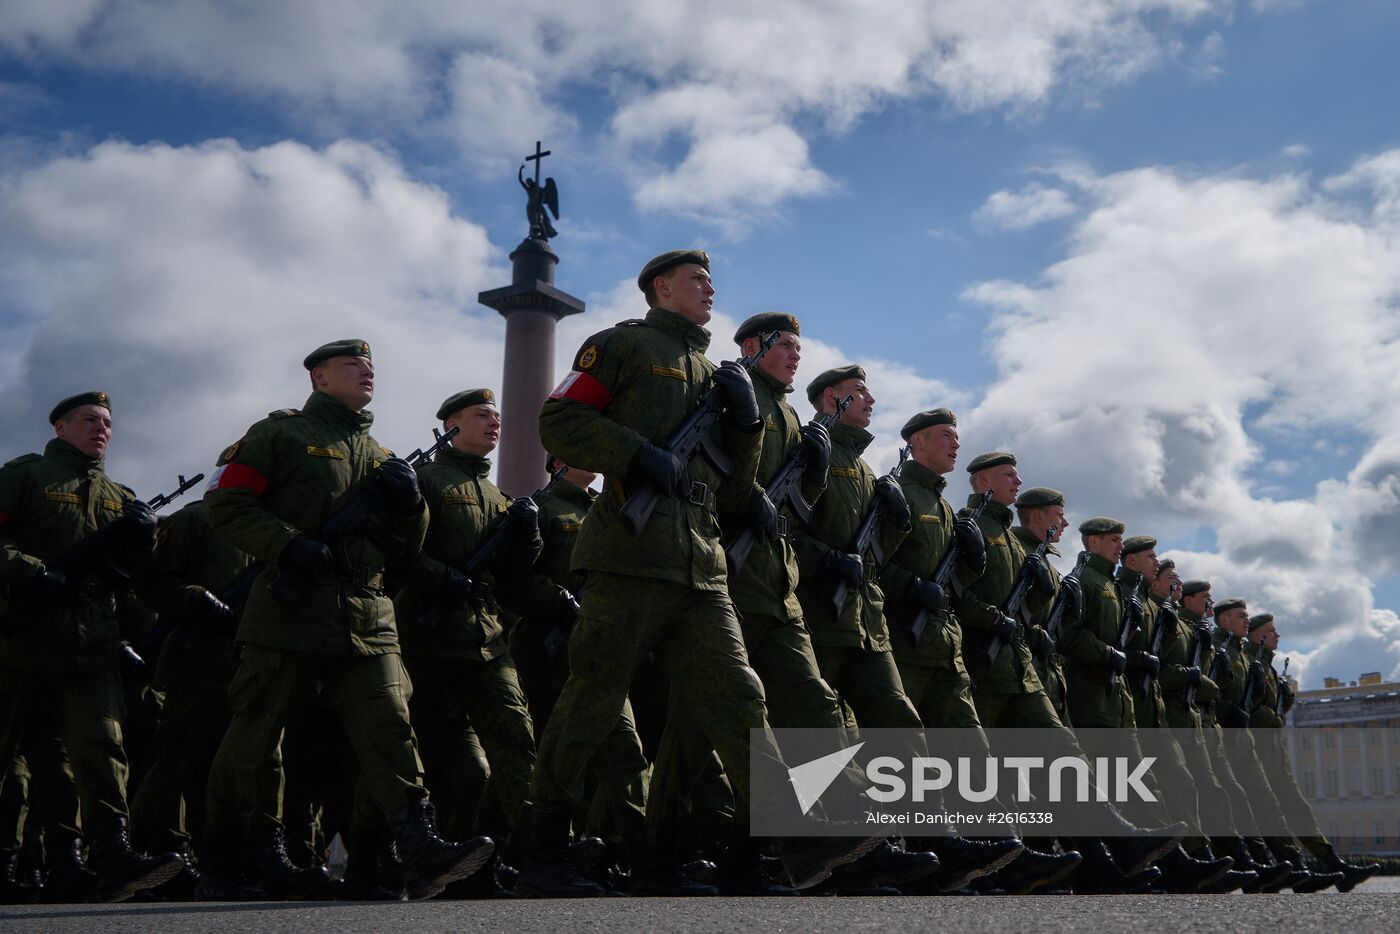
{"x":49,"y":586}
{"x":929,"y":596}
{"x":136,"y":528}
{"x":891,"y":497}
{"x":1074,"y":594}
{"x":1040,"y":574}
{"x":843,"y":566}
{"x":1135,"y":611}
{"x":972,"y":547}
{"x":455,"y":587}
{"x":818,"y":447}
{"x":207,"y":608}
{"x":1004,"y":629}
{"x":524,"y":516}
{"x":1118,"y":661}
{"x":306,"y":557}
{"x":1256,"y":670}
{"x":1151,"y":664}
{"x":740,"y":405}
{"x":763,"y":515}
{"x":398,"y":484}
{"x":567,"y":614}
{"x":1044,"y":646}
{"x":133,"y":665}
{"x":659,"y":469}
{"x":1193,"y":677}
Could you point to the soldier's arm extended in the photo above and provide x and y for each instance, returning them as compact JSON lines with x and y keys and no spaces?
{"x":235,"y":498}
{"x":18,"y":568}
{"x":1080,"y":639}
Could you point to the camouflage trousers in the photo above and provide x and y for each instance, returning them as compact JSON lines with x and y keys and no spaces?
{"x":935,"y":678}
{"x":1248,"y":769}
{"x":1272,"y":747}
{"x":1214,"y":802}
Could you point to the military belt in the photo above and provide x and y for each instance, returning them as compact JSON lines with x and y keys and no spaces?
{"x":363,"y":576}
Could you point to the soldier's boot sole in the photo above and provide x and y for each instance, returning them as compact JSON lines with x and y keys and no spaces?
{"x":885,"y":865}
{"x":1032,"y":870}
{"x":1232,"y":880}
{"x":555,"y":880}
{"x":1352,"y":876}
{"x":1134,"y":855}
{"x":466,"y":858}
{"x":1317,"y":881}
{"x":1271,"y":878}
{"x":964,"y":861}
{"x":810,"y":860}
{"x":143,"y":873}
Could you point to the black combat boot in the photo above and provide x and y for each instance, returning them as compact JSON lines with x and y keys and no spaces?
{"x":221,"y":874}
{"x":962,"y":860}
{"x":1136,"y":848}
{"x":485,"y":883}
{"x":122,"y":873}
{"x":1316,"y":881}
{"x":547,"y":871}
{"x":1098,"y":874}
{"x":69,"y":879}
{"x":277,"y":874}
{"x":742,"y":871}
{"x":181,"y":886}
{"x":366,"y":878}
{"x":810,"y":860}
{"x":430,"y":863}
{"x":1273,"y":875}
{"x":888,"y":865}
{"x":1033,"y":869}
{"x":1183,"y":873}
{"x":656,"y":868}
{"x":12,"y":890}
{"x":1353,"y":874}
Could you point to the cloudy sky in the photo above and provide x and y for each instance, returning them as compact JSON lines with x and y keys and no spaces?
{"x":1149,"y":245}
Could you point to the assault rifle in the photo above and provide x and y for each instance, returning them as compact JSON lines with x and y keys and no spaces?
{"x":1251,"y":684}
{"x":359,"y":518}
{"x":485,"y":552}
{"x":1056,"y":620}
{"x":1166,"y":618}
{"x":1128,"y":625}
{"x":1011,"y":606}
{"x":165,"y":499}
{"x":943,"y":570}
{"x":785,"y":489}
{"x":691,"y":436}
{"x":1284,"y":693}
{"x":867,"y":539}
{"x":1198,"y":648}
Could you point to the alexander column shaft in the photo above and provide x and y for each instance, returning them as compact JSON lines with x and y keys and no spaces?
{"x":532,"y":306}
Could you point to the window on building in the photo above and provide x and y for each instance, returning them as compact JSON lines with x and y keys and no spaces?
{"x":1331,"y":783}
{"x":1329,"y":739}
{"x":1380,"y":831}
{"x":1308,"y":791}
{"x":1377,"y":781}
{"x":1354,"y":781}
{"x":1373,"y":735}
{"x":1352,"y":738}
{"x":1305,"y":738}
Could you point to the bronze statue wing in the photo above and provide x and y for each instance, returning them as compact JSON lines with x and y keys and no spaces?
{"x":551,"y":197}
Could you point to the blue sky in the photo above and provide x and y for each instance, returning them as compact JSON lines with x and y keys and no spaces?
{"x":1149,"y":246}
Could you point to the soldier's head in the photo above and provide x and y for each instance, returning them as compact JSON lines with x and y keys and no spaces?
{"x":995,"y":471}
{"x":473,"y":413}
{"x":344,"y":371}
{"x":832,"y":386}
{"x":1102,"y":537}
{"x":1262,"y":630}
{"x":780,"y":362}
{"x":1232,"y":615}
{"x":84,"y":421}
{"x":679,"y":282}
{"x":1140,"y":554}
{"x":932,"y":437}
{"x":1195,"y":596}
{"x":1166,"y":579}
{"x":1041,"y":511}
{"x":576,"y":475}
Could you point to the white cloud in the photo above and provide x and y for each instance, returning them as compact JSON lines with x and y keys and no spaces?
{"x":1021,"y":210}
{"x":764,"y":79}
{"x":1194,"y":322}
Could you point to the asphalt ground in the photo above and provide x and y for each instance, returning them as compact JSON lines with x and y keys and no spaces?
{"x":1375,"y":906}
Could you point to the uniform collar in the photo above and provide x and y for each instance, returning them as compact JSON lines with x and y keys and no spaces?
{"x":994,"y":510}
{"x":574,"y":494}
{"x":915,"y":472}
{"x":331,"y":409}
{"x":59,"y":450}
{"x":850,"y":437}
{"x":1131,"y":578}
{"x":473,"y":464}
{"x":1031,"y":539}
{"x":1100,"y":564}
{"x":770,"y":382}
{"x":695,"y":337}
{"x":1187,"y":616}
{"x":1266,"y":656}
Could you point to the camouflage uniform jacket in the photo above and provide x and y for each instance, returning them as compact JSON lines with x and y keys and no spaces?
{"x":1013,"y":670}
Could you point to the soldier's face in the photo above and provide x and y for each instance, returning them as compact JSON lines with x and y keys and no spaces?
{"x":936,"y":447}
{"x":1235,"y":621}
{"x":1266,"y":635}
{"x":686,"y":290}
{"x":1144,"y":562}
{"x":1043,"y":520}
{"x":1197,"y":602}
{"x":780,"y":362}
{"x":479,"y":429}
{"x":88,"y":428}
{"x":348,"y":379}
{"x":1163,"y":583}
{"x":1109,"y":547}
{"x":1002,"y":480}
{"x":862,"y":407}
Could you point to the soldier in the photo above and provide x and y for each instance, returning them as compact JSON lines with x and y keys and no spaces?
{"x":74,"y":542}
{"x":269,"y":497}
{"x":1040,"y":517}
{"x":1190,"y":866}
{"x":453,"y":642}
{"x":1273,"y":749}
{"x":663,"y":590}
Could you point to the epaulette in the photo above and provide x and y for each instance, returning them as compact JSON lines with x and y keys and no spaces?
{"x":630,"y":323}
{"x":284,"y":413}
{"x":24,"y":459}
{"x":127,"y":490}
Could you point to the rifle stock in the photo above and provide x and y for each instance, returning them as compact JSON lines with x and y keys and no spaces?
{"x":865,"y":540}
{"x":943,"y":571}
{"x":1011,"y":607}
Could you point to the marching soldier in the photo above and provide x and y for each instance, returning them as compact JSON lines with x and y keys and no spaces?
{"x":270,"y":497}
{"x":664,"y":588}
{"x":1040,"y":517}
{"x":74,"y":543}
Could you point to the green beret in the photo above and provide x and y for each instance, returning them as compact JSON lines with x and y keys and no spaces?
{"x":765,"y":323}
{"x":1232,"y":603}
{"x":925,"y":419}
{"x":1038,"y":496}
{"x":459,"y":401}
{"x":1101,"y":525}
{"x":345,"y":348}
{"x":830,"y":378}
{"x":1261,"y":619}
{"x":82,"y":398}
{"x":1166,"y":564}
{"x":991,"y":459}
{"x":659,"y":265}
{"x":1191,"y":588}
{"x":1136,"y":543}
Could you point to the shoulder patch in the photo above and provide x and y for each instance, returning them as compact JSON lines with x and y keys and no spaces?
{"x":387,"y":453}
{"x":588,"y":357}
{"x":284,"y":413}
{"x":229,"y":453}
{"x":850,"y":472}
{"x":24,"y":459}
{"x":332,"y":453}
{"x":932,"y":517}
